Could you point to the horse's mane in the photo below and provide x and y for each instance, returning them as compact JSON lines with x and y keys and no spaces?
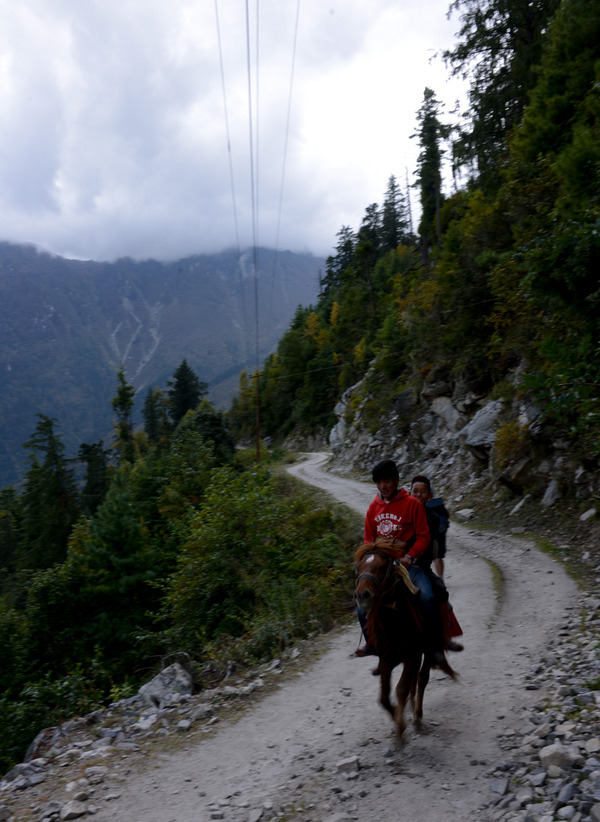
{"x":387,"y":549}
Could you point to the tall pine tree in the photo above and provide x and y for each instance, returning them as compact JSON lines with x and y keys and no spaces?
{"x":431,"y":133}
{"x":50,"y":500}
{"x":185,"y":392}
{"x":122,"y":404}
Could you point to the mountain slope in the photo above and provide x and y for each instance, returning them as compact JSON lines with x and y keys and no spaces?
{"x":66,"y":325}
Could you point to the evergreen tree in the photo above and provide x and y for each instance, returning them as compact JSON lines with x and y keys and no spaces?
{"x":50,"y":504}
{"x":431,"y":132}
{"x":96,"y":475}
{"x":185,"y":392}
{"x":122,"y":404}
{"x":394,"y":225}
{"x":155,"y":414}
{"x":339,"y":262}
{"x":212,"y":426}
{"x":10,"y":535}
{"x":500,"y":44}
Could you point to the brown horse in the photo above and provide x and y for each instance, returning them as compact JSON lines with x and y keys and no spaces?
{"x":394,"y":627}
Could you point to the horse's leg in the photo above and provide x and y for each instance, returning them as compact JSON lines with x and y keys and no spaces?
{"x":422,"y":680}
{"x":404,"y":688}
{"x":385,"y":675}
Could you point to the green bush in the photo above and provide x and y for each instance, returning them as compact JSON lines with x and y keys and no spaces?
{"x":42,"y":704}
{"x":257,"y":566}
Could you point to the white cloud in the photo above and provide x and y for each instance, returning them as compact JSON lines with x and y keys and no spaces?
{"x":112,"y":126}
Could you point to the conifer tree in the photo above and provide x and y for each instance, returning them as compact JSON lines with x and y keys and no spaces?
{"x":339,"y":262}
{"x":50,"y":500}
{"x":155,"y":414}
{"x":499,"y":47}
{"x":96,"y":476}
{"x":185,"y":392}
{"x":431,"y":133}
{"x":10,"y":535}
{"x":122,"y":404}
{"x":394,"y":225}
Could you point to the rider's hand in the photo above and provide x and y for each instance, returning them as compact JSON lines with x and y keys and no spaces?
{"x":406,"y":561}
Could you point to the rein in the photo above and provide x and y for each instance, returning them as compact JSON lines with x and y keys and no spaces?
{"x":381,"y":586}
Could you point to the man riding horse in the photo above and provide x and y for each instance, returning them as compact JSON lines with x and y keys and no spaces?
{"x":399,"y":519}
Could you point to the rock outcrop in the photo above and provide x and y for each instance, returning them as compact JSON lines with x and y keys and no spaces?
{"x":462,"y":442}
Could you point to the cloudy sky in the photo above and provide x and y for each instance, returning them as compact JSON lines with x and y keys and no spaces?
{"x":113,"y":123}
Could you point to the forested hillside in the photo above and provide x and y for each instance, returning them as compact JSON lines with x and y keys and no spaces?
{"x":504,"y":276}
{"x":67,"y":325}
{"x":174,"y":541}
{"x":173,"y":544}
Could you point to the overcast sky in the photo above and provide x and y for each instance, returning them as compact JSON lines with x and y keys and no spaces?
{"x":113,"y":128}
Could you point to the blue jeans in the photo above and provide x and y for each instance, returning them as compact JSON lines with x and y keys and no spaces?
{"x":429,"y":605}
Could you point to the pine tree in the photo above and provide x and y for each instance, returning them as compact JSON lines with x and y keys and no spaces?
{"x":122,"y":404}
{"x":431,"y":133}
{"x":394,"y":225}
{"x":155,"y":414}
{"x":50,"y":500}
{"x":499,"y":46}
{"x":10,"y":535}
{"x":185,"y":392}
{"x":96,"y":476}
{"x":339,"y":262}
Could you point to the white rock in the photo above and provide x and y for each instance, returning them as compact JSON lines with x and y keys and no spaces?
{"x":73,"y":810}
{"x":592,"y":745}
{"x":347,"y":765}
{"x":168,"y":687}
{"x":558,"y":755}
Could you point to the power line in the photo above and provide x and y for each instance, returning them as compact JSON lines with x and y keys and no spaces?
{"x":232,"y":180}
{"x":227,"y":132}
{"x":254,"y":237}
{"x":284,"y":161}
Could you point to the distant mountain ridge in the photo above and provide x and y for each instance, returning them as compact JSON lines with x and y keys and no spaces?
{"x":66,"y":325}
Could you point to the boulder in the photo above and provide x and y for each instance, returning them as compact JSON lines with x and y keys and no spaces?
{"x":516,"y":475}
{"x":167,"y":688}
{"x":479,"y":434}
{"x":443,"y":407}
{"x":551,"y":494}
{"x":437,"y":388}
{"x":559,"y":755}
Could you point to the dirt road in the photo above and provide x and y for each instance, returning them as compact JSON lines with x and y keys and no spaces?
{"x":286,"y":751}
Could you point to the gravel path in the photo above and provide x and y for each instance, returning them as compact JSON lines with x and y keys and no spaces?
{"x":319,"y":747}
{"x":291,"y":748}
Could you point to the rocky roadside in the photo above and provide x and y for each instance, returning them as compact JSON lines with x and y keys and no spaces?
{"x":76,"y":768}
{"x":552,"y":766}
{"x":551,"y":769}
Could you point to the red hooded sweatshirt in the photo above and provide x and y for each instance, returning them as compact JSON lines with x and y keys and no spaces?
{"x":403,"y":517}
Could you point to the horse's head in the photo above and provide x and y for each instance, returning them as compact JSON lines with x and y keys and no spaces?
{"x":373,"y":565}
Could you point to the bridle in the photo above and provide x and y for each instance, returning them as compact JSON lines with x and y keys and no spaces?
{"x":380,"y":586}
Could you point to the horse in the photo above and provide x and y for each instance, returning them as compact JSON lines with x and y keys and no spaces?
{"x":394,"y":628}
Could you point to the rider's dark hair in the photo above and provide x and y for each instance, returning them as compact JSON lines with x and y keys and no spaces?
{"x":421,"y":478}
{"x":386,"y":469}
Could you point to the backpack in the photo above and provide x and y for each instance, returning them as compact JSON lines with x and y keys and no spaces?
{"x":438,"y":507}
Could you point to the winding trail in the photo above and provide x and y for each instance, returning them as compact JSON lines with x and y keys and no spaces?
{"x":285,"y":750}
